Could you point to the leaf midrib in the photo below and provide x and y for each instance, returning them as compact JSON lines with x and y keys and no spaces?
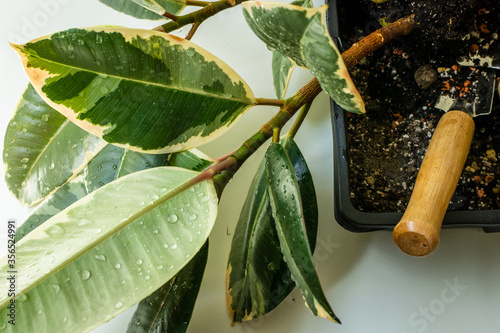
{"x":52,"y":138}
{"x":251,"y":243}
{"x":197,"y":92}
{"x":284,"y":241}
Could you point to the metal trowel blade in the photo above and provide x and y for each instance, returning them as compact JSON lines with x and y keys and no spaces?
{"x":480,"y":61}
{"x":477,"y":103}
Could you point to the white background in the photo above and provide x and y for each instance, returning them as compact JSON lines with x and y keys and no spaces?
{"x":370,"y":284}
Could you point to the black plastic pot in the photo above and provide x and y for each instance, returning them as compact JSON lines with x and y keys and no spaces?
{"x":355,"y":220}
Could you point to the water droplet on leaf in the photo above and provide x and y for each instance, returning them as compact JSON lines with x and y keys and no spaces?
{"x":83,"y":222}
{"x":172,"y":218}
{"x":85,"y":275}
{"x":100,"y":257}
{"x":55,"y":231}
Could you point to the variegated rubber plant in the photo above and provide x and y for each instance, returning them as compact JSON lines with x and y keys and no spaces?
{"x":103,"y":141}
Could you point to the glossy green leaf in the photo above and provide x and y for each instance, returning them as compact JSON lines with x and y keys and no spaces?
{"x":63,"y":197}
{"x":139,"y":89}
{"x":287,"y":210}
{"x":303,"y":3}
{"x":301,"y":34}
{"x":282,"y":71}
{"x":111,"y":163}
{"x":109,"y":250}
{"x":281,"y":65}
{"x":161,"y":6}
{"x":169,"y":308}
{"x":191,"y":159}
{"x":42,"y":149}
{"x":257,"y":278}
{"x":115,"y":162}
{"x":146,"y":9}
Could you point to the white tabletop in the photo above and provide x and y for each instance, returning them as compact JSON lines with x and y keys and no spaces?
{"x":371,"y":285}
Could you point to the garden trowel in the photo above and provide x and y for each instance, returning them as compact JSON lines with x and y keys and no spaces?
{"x":417,"y":233}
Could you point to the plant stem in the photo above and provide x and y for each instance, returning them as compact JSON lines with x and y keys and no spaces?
{"x":197,"y":3}
{"x":276,"y":134}
{"x":173,"y":17}
{"x":194,"y":27}
{"x":376,"y":39}
{"x":270,"y":101}
{"x":300,"y":119}
{"x":308,"y":93}
{"x":198,"y":16}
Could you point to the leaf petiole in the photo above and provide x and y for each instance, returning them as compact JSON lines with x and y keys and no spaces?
{"x":300,"y":119}
{"x":276,"y":134}
{"x":198,"y":3}
{"x":270,"y":102}
{"x":173,"y":17}
{"x":191,"y":32}
{"x":198,"y":16}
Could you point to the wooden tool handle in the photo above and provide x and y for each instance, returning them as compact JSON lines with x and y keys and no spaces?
{"x":417,"y":233}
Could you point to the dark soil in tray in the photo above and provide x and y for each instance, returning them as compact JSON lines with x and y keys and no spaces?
{"x":387,"y":145}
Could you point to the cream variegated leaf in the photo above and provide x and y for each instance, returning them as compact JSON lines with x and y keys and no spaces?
{"x":43,"y":150}
{"x":109,"y":250}
{"x":283,"y":66}
{"x":146,"y":9}
{"x":111,"y":163}
{"x":138,"y":89}
{"x":301,"y":35}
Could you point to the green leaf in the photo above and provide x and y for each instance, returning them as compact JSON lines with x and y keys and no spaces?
{"x":287,"y":211}
{"x":42,"y":149}
{"x":63,"y":197}
{"x":303,"y":3}
{"x":258,"y":279}
{"x":139,"y":89}
{"x":146,"y":9}
{"x":282,"y":71}
{"x":117,"y":162}
{"x":282,"y":66}
{"x":111,"y":163}
{"x":109,"y":250}
{"x":161,"y":6}
{"x":301,"y":34}
{"x":191,"y":159}
{"x":169,"y":308}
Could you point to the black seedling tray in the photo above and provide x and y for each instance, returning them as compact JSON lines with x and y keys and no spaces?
{"x":355,"y":220}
